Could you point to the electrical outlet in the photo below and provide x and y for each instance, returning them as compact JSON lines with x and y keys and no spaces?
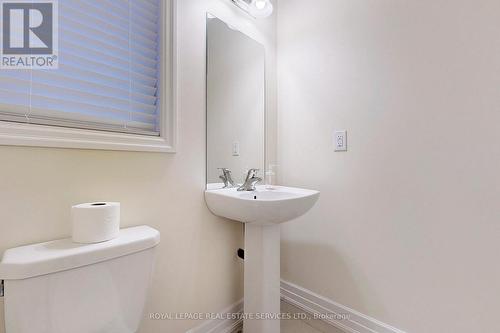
{"x":236,"y":149}
{"x":340,"y":138}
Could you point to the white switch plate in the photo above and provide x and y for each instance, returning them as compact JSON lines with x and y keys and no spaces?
{"x":340,"y":140}
{"x":236,"y":149}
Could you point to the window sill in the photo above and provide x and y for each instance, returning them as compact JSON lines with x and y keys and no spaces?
{"x":16,"y":134}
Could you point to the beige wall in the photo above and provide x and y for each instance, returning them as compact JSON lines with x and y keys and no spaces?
{"x":407,"y":228}
{"x":197,"y":270}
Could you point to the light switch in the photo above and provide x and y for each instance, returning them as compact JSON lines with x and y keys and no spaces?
{"x":236,"y":149}
{"x":340,"y":138}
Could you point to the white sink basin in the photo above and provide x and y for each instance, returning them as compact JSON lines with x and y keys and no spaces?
{"x":263,"y":206}
{"x":262,"y":211}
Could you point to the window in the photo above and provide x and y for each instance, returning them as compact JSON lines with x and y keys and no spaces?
{"x":111,"y":87}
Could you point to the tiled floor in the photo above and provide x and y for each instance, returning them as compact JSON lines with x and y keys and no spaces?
{"x":303,"y":326}
{"x":297,"y":326}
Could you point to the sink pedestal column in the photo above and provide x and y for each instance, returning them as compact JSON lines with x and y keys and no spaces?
{"x":262,"y":278}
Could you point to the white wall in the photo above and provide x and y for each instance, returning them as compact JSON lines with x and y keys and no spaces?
{"x":197,"y":269}
{"x":407,"y":228}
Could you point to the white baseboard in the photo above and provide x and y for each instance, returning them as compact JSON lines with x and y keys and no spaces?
{"x":222,"y":325}
{"x":338,"y":315}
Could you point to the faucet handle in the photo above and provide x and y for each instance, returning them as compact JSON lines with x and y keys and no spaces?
{"x":225,"y":172}
{"x":250,"y":181}
{"x":227,"y":178}
{"x":252,"y":172}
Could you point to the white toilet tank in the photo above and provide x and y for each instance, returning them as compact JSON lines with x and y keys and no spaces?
{"x":63,"y":287}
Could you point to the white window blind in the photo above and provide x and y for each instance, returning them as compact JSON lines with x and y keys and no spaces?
{"x":108,"y":75}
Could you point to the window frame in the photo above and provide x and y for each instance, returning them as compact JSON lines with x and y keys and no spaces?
{"x":33,"y":135}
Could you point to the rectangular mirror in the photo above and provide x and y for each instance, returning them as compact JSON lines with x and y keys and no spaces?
{"x":235,"y":103}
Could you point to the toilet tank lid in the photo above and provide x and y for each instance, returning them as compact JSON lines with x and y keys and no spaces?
{"x":45,"y":258}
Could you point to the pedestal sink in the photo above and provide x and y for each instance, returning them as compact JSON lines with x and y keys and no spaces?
{"x":262,"y":211}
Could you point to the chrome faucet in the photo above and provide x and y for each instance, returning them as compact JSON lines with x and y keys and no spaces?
{"x":227,"y":178}
{"x":250,"y":181}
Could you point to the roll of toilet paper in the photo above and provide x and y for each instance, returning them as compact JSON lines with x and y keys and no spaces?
{"x":95,"y":222}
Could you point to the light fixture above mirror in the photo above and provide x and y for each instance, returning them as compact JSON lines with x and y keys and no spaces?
{"x":255,"y":8}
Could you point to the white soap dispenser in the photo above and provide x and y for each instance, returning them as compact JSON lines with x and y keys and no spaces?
{"x":270,"y":173}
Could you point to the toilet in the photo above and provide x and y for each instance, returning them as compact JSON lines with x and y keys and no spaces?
{"x":61,"y":286}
